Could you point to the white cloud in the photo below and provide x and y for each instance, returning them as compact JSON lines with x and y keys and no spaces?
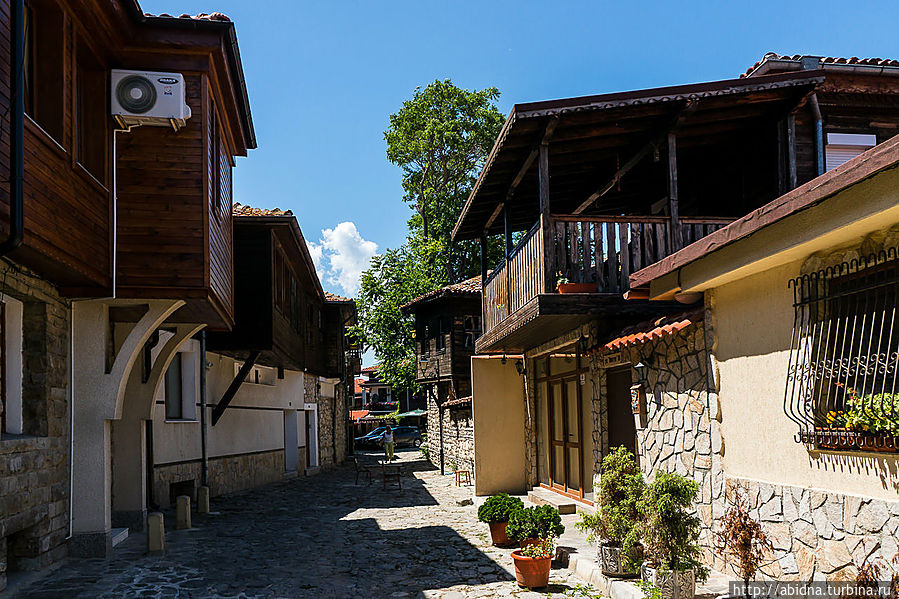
{"x":341,"y":255}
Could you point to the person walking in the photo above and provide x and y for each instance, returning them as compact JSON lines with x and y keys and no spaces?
{"x":387,"y":438}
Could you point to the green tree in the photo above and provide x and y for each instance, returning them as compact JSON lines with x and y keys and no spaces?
{"x":440,"y":139}
{"x":393,"y":279}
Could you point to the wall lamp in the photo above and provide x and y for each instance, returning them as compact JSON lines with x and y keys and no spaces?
{"x":520,"y":367}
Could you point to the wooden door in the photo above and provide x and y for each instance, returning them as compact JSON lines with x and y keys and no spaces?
{"x":566,"y":428}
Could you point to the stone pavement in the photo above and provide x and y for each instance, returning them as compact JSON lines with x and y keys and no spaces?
{"x":320,"y":536}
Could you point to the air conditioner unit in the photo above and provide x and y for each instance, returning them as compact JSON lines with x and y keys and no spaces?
{"x":146,"y":98}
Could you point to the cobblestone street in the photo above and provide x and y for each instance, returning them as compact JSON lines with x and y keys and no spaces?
{"x":322,"y":536}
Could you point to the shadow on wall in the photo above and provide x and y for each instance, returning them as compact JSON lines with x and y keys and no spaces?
{"x":886,"y":468}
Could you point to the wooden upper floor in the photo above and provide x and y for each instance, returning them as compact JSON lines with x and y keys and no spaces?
{"x":281,"y":309}
{"x":447,"y":326}
{"x":588,"y":190}
{"x":172,"y":212}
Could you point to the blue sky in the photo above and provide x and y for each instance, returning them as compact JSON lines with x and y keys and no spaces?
{"x":324,"y":76}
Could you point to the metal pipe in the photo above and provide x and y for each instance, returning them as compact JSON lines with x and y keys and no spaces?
{"x":17,"y":131}
{"x":204,"y":472}
{"x":819,"y":133}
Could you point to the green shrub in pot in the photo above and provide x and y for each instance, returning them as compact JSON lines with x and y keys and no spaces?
{"x":540,"y":522}
{"x":614,"y":526}
{"x":498,"y":508}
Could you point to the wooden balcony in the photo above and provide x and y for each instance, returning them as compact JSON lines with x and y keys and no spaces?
{"x":601,"y":251}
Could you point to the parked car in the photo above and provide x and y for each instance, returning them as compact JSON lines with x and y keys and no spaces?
{"x":402,"y":435}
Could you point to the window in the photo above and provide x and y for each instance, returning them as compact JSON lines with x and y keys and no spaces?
{"x":439,"y":334}
{"x":220,"y":167}
{"x":843,"y":147}
{"x":181,"y":382}
{"x":90,"y":107}
{"x":841,"y":383}
{"x":11,"y":418}
{"x":44,"y":66}
{"x":472,"y":330}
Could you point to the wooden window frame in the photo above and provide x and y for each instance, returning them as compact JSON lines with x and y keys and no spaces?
{"x":91,"y":114}
{"x":46,"y":67}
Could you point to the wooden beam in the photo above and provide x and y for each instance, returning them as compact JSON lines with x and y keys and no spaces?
{"x":791,"y":151}
{"x":676,"y":238}
{"x":223,"y":403}
{"x":630,"y":164}
{"x":507,"y":230}
{"x":547,"y":135}
{"x":545,"y":219}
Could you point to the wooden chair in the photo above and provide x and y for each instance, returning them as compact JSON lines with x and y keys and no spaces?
{"x":361,"y":469}
{"x":392,"y":472}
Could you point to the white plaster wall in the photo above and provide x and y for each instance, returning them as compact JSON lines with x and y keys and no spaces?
{"x":753,"y":324}
{"x":259,"y":426}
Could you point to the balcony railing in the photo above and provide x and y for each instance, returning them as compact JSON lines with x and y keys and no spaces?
{"x":601,"y":250}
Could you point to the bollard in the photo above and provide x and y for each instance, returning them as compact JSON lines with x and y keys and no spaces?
{"x":203,"y":500}
{"x":155,"y":533}
{"x":182,"y":512}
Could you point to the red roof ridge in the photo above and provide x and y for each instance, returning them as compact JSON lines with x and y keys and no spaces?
{"x":238,"y":209}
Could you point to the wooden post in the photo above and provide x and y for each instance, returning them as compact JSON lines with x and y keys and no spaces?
{"x":507,"y":229}
{"x":549,"y":271}
{"x":791,"y":151}
{"x":675,"y":238}
{"x":482,"y":241}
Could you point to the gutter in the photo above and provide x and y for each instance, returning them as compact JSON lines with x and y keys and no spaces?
{"x":17,"y":132}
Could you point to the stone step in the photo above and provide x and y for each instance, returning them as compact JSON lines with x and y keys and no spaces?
{"x":541,"y":496}
{"x":119,"y":535}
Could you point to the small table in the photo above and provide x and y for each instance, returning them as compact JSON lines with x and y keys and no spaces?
{"x":463,"y":477}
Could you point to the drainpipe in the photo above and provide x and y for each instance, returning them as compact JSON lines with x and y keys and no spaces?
{"x":819,"y":133}
{"x":204,"y":471}
{"x":17,"y":132}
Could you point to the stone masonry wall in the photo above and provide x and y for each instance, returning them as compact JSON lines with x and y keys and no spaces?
{"x":227,"y":474}
{"x":815,"y":535}
{"x":458,"y":437}
{"x":34,"y":487}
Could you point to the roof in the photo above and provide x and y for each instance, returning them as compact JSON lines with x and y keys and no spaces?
{"x":864,"y":166}
{"x":652,"y":330}
{"x":456,"y":403}
{"x":470,"y":287}
{"x":357,"y":385}
{"x":371,"y":368}
{"x":358,"y":414}
{"x":333,"y":297}
{"x":238,"y":209}
{"x":781,"y":62}
{"x":221,"y":22}
{"x":589,"y":137}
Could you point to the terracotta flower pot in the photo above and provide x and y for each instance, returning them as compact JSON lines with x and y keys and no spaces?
{"x":675,"y":584}
{"x":498,"y":535}
{"x":531,"y":572}
{"x":577,"y":288}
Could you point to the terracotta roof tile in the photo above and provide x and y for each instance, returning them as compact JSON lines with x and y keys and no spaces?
{"x":470,"y":286}
{"x":455,"y":403}
{"x":245,"y":210}
{"x":333,"y":297}
{"x":651,"y":330}
{"x":877,"y":62}
{"x":213,"y":16}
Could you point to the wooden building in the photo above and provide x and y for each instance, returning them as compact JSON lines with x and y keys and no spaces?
{"x":603,"y":186}
{"x":447,"y":326}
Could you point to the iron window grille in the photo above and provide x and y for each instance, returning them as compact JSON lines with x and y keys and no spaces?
{"x":844,"y":355}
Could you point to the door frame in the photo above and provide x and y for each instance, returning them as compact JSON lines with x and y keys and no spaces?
{"x":562,"y":378}
{"x":311,"y":410}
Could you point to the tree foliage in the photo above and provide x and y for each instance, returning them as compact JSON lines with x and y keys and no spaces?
{"x":440,"y":139}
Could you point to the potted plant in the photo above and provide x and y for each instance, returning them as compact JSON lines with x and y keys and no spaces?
{"x":741,"y":538}
{"x":669,"y":532}
{"x":869,"y":423}
{"x":564,"y":286}
{"x":614,"y":526}
{"x":532,"y":563}
{"x":531,"y":524}
{"x":496,"y":512}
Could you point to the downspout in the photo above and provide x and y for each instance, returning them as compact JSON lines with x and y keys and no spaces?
{"x":17,"y":133}
{"x":204,"y":469}
{"x":819,"y":133}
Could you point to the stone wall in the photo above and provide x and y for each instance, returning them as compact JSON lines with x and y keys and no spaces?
{"x":458,"y":436}
{"x":227,"y":474}
{"x":34,"y":466}
{"x":815,"y":534}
